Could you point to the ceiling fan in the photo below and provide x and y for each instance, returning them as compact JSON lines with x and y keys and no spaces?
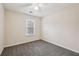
{"x":34,"y":7}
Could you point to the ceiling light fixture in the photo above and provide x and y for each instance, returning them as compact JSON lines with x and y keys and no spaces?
{"x":36,"y":7}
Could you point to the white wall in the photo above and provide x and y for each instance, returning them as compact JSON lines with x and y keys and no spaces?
{"x":62,"y":28}
{"x":15,"y":28}
{"x":1,"y":28}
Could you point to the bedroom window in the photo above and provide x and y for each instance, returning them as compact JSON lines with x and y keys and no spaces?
{"x":30,"y":27}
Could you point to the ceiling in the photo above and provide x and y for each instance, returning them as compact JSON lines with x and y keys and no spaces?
{"x":44,"y":10}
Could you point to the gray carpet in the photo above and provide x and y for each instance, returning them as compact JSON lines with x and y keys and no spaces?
{"x":37,"y":48}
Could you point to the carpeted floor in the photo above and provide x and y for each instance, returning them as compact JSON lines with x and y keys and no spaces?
{"x":37,"y":48}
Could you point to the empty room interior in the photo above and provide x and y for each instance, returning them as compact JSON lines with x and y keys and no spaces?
{"x":39,"y":29}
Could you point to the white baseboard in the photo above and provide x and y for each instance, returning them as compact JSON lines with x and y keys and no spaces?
{"x":8,"y":45}
{"x":61,"y":46}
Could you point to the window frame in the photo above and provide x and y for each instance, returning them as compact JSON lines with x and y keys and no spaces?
{"x":26,"y":27}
